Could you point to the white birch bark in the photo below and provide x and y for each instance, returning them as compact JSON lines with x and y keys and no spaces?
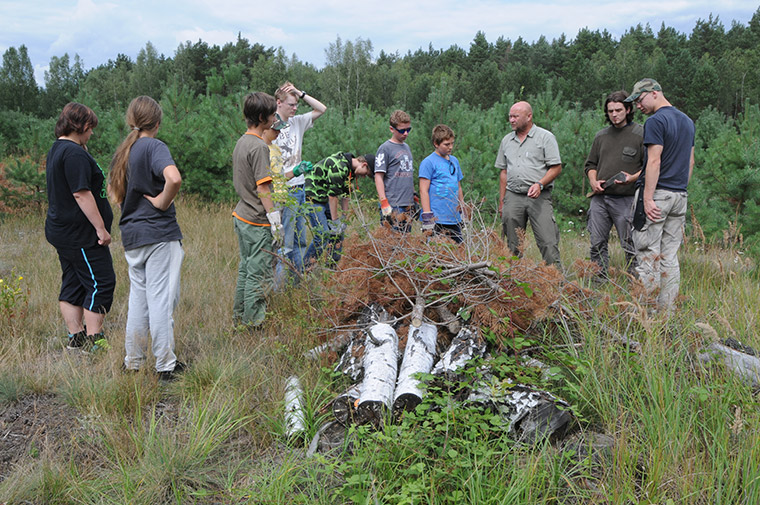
{"x":380,"y":370}
{"x":418,"y":358}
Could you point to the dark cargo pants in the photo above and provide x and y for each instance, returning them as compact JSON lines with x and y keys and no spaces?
{"x":518,"y":210}
{"x":603,"y":212}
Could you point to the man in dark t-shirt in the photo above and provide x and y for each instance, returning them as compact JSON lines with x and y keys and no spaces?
{"x":669,"y":140}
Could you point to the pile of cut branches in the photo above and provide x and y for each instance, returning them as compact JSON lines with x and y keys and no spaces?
{"x":416,"y":277}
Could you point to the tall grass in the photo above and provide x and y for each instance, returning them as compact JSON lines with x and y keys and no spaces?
{"x":684,"y":432}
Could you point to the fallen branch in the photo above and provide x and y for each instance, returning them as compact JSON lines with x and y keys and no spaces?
{"x":450,"y":320}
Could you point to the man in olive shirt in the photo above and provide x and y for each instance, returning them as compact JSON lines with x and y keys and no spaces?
{"x":256,"y":219}
{"x":529,"y":162}
{"x":612,"y":166}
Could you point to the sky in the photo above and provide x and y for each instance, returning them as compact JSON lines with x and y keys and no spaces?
{"x":99,"y":30}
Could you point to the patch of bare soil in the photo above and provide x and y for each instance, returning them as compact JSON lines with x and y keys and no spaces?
{"x":31,"y":426}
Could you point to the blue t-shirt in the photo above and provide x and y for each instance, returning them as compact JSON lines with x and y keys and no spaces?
{"x":674,"y":131}
{"x":444,"y":176}
{"x":141,"y":223}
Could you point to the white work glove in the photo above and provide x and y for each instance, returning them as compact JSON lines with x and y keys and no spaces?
{"x":275,"y":222}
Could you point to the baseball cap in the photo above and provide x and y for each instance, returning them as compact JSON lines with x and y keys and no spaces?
{"x":370,"y":162}
{"x":279,"y":124}
{"x":643,"y":86}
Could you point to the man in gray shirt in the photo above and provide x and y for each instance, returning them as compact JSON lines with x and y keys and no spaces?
{"x":529,"y":162}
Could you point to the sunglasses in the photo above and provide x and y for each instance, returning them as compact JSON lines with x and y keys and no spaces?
{"x":402,"y":131}
{"x":451,"y":167}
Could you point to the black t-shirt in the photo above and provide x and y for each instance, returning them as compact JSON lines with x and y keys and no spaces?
{"x":141,"y":223}
{"x":71,"y":169}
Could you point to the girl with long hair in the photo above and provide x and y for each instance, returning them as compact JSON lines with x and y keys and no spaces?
{"x":144,"y":181}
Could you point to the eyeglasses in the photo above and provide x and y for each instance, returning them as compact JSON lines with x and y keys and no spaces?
{"x":402,"y":131}
{"x":451,"y":167}
{"x":640,"y":97}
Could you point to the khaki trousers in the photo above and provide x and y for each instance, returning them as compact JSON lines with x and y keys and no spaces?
{"x":657,"y":245}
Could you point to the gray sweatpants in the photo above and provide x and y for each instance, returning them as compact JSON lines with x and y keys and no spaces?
{"x":154,"y":275}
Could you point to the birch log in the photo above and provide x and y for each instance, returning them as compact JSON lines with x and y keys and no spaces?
{"x":418,"y":358}
{"x":745,"y":366}
{"x":343,"y":406}
{"x":294,"y":414}
{"x":380,"y":370}
{"x":351,"y":361}
{"x":530,"y":414}
{"x":467,"y":344}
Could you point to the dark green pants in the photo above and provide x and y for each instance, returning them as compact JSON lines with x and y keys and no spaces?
{"x":254,"y":273}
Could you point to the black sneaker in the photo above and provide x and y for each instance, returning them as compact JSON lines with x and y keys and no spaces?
{"x":77,"y":340}
{"x":98,"y":343}
{"x":171,"y":376}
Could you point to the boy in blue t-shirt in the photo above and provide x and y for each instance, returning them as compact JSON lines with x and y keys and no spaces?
{"x":440,"y":187}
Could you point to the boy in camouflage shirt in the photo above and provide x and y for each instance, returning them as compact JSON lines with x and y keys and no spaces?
{"x":330,"y":180}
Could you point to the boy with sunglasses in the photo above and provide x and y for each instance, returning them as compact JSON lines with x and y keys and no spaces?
{"x":440,"y":187}
{"x":394,"y":174}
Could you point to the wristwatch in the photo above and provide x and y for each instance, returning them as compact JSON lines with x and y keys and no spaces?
{"x":540,"y":186}
{"x":303,"y":94}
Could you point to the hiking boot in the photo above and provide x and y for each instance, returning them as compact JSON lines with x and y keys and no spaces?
{"x":171,"y":376}
{"x":77,"y":340}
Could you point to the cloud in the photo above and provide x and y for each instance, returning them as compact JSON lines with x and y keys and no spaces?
{"x":211,"y":37}
{"x":100,"y":30}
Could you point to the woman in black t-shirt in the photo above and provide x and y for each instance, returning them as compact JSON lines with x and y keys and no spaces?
{"x":78,"y":225}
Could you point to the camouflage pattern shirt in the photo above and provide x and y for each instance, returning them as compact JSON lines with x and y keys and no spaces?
{"x":330,"y":177}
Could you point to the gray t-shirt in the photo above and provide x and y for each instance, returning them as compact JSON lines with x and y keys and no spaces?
{"x":141,"y":223}
{"x":395,"y":161}
{"x":527,"y":161}
{"x":290,"y":142}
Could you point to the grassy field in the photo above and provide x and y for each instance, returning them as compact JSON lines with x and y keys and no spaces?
{"x":75,"y":429}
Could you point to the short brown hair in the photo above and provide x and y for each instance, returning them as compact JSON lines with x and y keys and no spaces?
{"x":258,"y":107}
{"x":441,"y":132}
{"x":398,"y":117}
{"x":75,"y":118}
{"x":281,"y":95}
{"x":619,"y":96}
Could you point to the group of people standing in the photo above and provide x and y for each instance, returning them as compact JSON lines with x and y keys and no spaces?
{"x":638,"y":178}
